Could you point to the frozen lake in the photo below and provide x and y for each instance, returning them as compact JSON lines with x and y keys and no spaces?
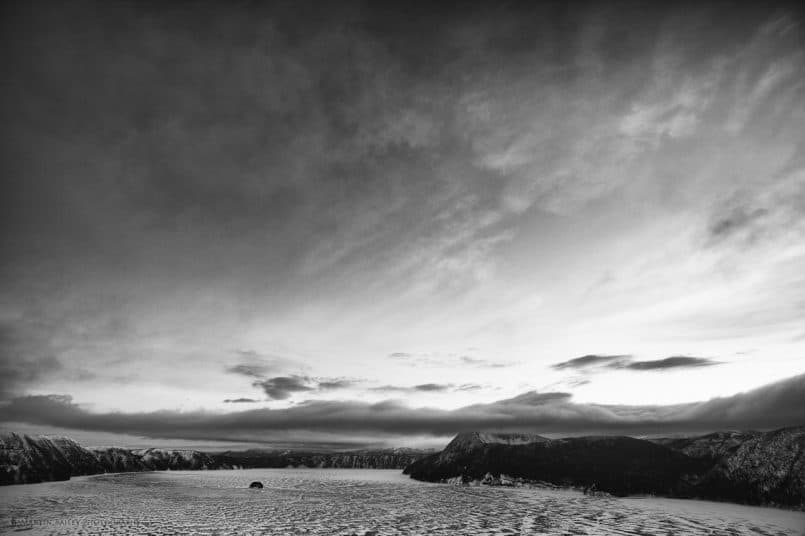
{"x":359,"y":501}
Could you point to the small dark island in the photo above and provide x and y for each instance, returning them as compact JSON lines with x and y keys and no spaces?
{"x":256,"y":485}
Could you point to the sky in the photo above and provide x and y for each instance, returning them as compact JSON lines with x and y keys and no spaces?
{"x":385,"y":223}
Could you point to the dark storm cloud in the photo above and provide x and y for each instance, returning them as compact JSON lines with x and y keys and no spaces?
{"x":589,"y":361}
{"x":775,"y":405}
{"x":282,"y":387}
{"x":673,"y":362}
{"x":240,"y":400}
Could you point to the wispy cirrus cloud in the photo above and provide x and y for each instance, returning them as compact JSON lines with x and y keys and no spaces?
{"x":421,"y":388}
{"x":485,"y":363}
{"x":448,"y":360}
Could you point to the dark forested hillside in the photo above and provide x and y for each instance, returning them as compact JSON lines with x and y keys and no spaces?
{"x":763,"y":468}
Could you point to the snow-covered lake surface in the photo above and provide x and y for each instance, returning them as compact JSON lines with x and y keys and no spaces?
{"x":359,"y":501}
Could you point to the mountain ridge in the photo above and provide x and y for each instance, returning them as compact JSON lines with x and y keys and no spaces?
{"x":749,"y":467}
{"x":31,"y":459}
{"x":760,"y":468}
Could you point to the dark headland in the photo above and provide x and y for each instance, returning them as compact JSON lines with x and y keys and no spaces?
{"x":757,"y":468}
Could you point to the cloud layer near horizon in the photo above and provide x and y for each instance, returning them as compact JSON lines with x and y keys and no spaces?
{"x":777,"y":405}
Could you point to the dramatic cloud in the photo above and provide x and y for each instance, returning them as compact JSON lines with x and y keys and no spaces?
{"x":589,"y":361}
{"x":221,"y":200}
{"x":240,"y":400}
{"x":776,"y":405}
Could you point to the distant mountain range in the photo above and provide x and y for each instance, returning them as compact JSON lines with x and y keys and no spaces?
{"x":25,"y":459}
{"x":761,"y":468}
{"x":363,"y":459}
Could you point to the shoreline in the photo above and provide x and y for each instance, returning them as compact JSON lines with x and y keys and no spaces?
{"x":295,"y":491}
{"x":523,"y":486}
